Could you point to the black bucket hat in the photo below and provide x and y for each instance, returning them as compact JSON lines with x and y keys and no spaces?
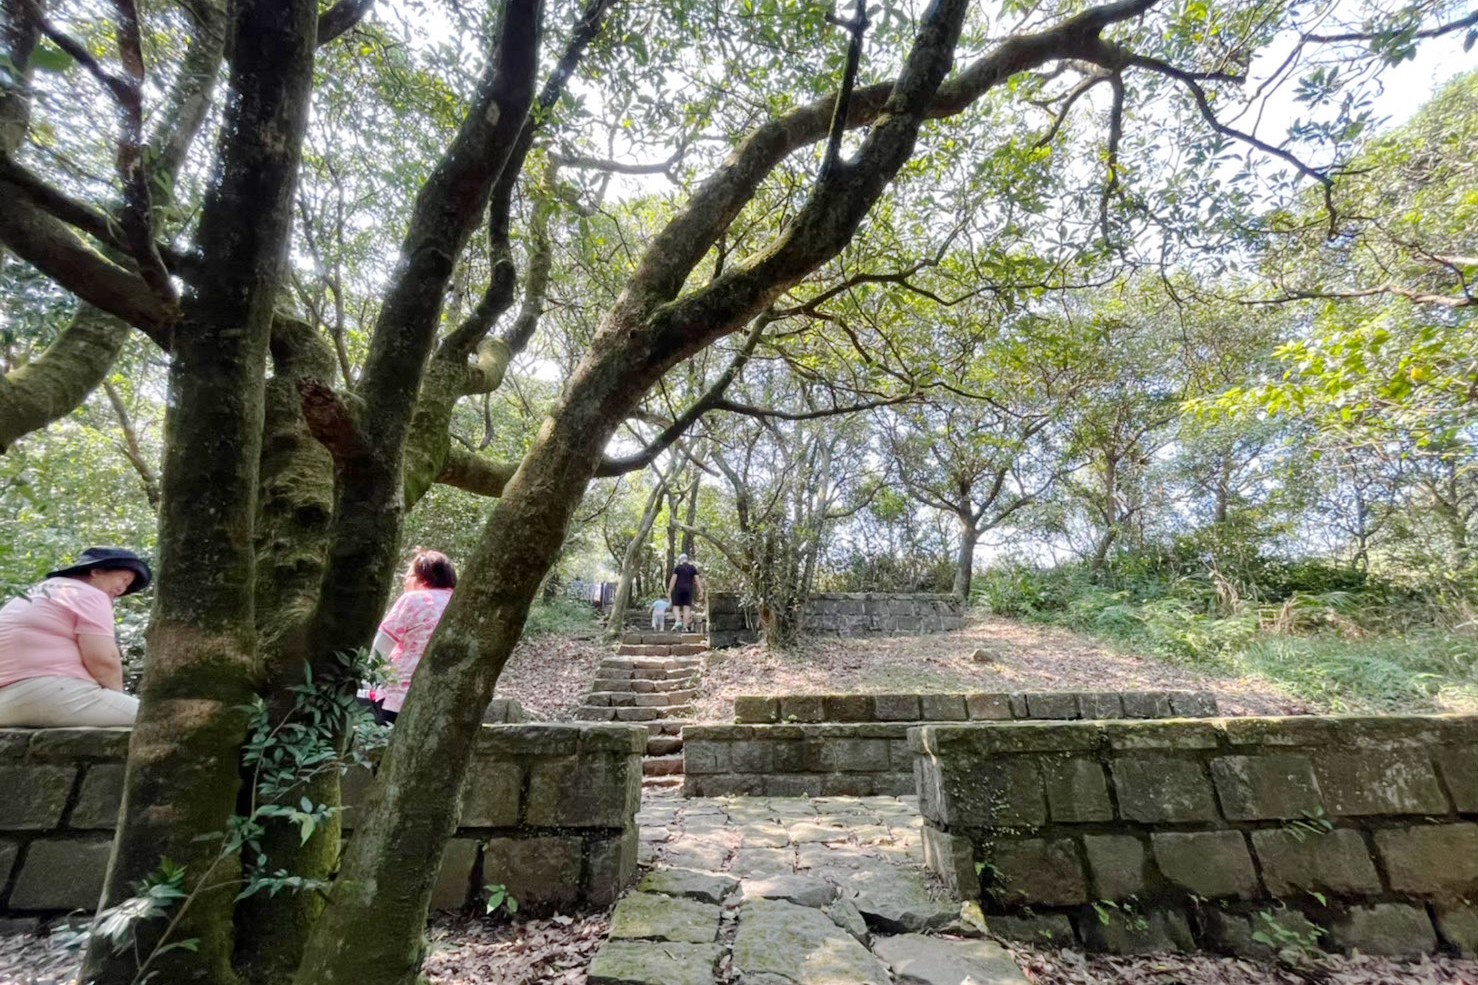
{"x":109,"y":557}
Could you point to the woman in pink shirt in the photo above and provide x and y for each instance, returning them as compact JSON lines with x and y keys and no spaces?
{"x":408,"y":626}
{"x":59,"y":659}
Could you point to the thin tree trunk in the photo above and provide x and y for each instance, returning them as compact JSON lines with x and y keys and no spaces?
{"x":692,"y":518}
{"x":632,"y":559}
{"x":965,"y":558}
{"x":181,"y":779}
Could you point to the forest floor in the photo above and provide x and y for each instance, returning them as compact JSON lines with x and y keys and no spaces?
{"x":1022,"y":657}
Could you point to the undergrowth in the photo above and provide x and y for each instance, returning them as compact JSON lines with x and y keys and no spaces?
{"x":1346,"y":646}
{"x":561,"y":617}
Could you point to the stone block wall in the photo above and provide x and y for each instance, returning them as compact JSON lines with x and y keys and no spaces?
{"x":847,"y":614}
{"x":549,"y":811}
{"x":991,"y":706}
{"x":823,"y":745}
{"x":1234,"y":835}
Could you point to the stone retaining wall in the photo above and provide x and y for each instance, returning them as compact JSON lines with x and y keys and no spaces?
{"x":994,"y":706}
{"x":548,"y":810}
{"x":1225,"y":834}
{"x":824,"y":745}
{"x":845,"y":614}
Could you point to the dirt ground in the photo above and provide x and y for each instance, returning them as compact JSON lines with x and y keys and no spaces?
{"x":1023,"y":657}
{"x":549,"y":674}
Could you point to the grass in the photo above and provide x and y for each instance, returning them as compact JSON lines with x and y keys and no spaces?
{"x":1412,"y":672}
{"x":560,"y":618}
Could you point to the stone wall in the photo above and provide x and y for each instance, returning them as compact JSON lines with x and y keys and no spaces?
{"x":1225,"y":834}
{"x":822,"y":745}
{"x":548,"y":810}
{"x":992,"y":706}
{"x":845,"y":614}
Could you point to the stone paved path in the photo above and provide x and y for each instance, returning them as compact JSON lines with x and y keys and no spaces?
{"x":790,"y":891}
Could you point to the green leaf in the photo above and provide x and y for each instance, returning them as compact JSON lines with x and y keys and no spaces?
{"x":49,"y":58}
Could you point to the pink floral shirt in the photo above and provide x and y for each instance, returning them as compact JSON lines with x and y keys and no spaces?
{"x":410,"y":623}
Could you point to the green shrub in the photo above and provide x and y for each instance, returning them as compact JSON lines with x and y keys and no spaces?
{"x":564,"y":617}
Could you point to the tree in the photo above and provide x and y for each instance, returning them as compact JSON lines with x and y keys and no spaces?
{"x":344,"y":458}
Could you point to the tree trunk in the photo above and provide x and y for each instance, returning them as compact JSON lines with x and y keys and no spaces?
{"x":294,"y":512}
{"x":965,"y":558}
{"x":692,"y":519}
{"x":181,"y":778}
{"x":372,"y":932}
{"x":632,"y":559}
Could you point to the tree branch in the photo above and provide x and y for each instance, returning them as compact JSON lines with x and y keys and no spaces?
{"x":476,"y":474}
{"x":340,"y":18}
{"x":857,"y":28}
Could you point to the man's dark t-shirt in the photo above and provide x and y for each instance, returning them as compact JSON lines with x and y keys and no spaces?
{"x":682,"y":589}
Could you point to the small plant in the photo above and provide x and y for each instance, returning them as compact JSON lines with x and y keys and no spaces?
{"x":1292,"y":944}
{"x":1308,"y":823}
{"x":499,"y":899}
{"x":1108,"y":911}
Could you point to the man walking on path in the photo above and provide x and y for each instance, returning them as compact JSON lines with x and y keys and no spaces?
{"x":682,"y":588}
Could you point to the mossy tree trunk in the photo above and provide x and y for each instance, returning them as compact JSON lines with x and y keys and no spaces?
{"x":181,"y":778}
{"x":372,"y":931}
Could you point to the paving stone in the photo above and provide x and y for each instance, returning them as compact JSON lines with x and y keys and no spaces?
{"x":654,"y":963}
{"x":61,"y":875}
{"x":690,"y":854}
{"x":1160,"y":788}
{"x":1116,"y":863}
{"x":762,"y":862}
{"x":764,"y":835}
{"x":1333,"y":862}
{"x":34,"y":795}
{"x":1037,"y":871}
{"x":844,"y":913}
{"x":1391,"y":929}
{"x":1432,"y":859}
{"x":895,"y":900}
{"x":1266,"y":787}
{"x":919,"y":960}
{"x":1212,"y":864}
{"x":800,"y":890}
{"x":780,"y":942}
{"x":707,"y":887}
{"x":647,"y":916}
{"x":655,"y":834}
{"x":807,"y":832}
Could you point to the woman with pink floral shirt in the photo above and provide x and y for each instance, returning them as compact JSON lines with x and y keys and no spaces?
{"x":408,"y":626}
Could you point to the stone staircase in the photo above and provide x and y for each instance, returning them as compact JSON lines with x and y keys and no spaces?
{"x":651,"y":679}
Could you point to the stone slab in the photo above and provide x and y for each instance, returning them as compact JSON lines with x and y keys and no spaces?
{"x":797,"y":889}
{"x":35,"y":795}
{"x":779,"y":942}
{"x":1212,"y":864}
{"x":706,"y":887}
{"x":654,"y":963}
{"x":1334,"y":862}
{"x":648,"y":916}
{"x":1390,"y":929}
{"x":1431,"y":859}
{"x":919,"y":960}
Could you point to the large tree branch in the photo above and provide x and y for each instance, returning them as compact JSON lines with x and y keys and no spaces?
{"x":711,"y":397}
{"x":475,"y":474}
{"x":341,"y":18}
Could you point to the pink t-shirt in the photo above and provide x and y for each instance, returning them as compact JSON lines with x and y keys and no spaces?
{"x":410,"y":623}
{"x":38,"y":633}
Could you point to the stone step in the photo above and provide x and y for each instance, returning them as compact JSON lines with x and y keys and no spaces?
{"x":651,"y":663}
{"x":662,"y":639}
{"x":664,"y":745}
{"x":662,"y":765}
{"x":642,"y":685}
{"x":601,"y":713}
{"x":666,"y":699}
{"x":652,"y":674}
{"x":673,"y":782}
{"x":660,"y":649}
{"x":666,"y":726}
